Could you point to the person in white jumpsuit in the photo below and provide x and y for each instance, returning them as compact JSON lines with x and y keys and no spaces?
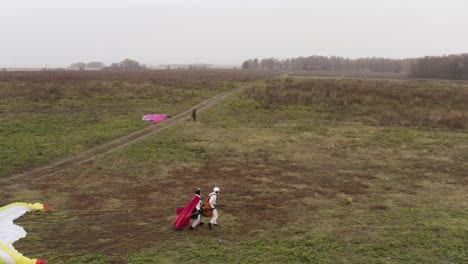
{"x":212,"y":201}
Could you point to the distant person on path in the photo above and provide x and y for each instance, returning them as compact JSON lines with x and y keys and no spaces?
{"x":191,"y":211}
{"x":194,"y":114}
{"x":213,"y":204}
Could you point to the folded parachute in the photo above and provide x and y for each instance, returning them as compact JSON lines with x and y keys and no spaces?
{"x":184,"y":213}
{"x":155,"y":118}
{"x":10,"y":232}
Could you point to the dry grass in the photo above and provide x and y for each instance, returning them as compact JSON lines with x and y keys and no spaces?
{"x":405,"y":103}
{"x":181,"y":76}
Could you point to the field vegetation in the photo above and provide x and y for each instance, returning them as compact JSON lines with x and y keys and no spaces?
{"x":310,"y":171}
{"x":47,"y":115}
{"x":387,"y":103}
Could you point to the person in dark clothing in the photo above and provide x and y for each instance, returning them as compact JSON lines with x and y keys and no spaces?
{"x":194,"y":114}
{"x":196,"y":214}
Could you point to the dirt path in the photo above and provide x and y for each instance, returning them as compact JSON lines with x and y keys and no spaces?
{"x":43,"y":172}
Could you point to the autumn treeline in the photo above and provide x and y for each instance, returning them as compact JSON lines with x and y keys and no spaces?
{"x":333,"y":64}
{"x":445,"y":67}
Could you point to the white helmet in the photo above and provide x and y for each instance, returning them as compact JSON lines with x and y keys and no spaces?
{"x":216,"y":189}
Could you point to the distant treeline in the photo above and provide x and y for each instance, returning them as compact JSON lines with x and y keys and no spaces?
{"x":445,"y":67}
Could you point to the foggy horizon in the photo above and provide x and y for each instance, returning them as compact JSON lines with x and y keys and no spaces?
{"x":220,"y":32}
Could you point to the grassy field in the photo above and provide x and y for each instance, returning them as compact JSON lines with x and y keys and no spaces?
{"x":47,"y":115}
{"x":288,"y":156}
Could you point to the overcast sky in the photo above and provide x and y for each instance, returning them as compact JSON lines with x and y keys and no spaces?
{"x":58,"y":32}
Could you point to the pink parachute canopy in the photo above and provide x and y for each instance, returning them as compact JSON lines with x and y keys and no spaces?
{"x":155,"y":118}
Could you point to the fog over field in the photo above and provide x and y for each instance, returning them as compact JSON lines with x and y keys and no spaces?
{"x":57,"y":33}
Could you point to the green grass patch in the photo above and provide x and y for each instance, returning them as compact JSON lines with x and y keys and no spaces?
{"x":44,"y":121}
